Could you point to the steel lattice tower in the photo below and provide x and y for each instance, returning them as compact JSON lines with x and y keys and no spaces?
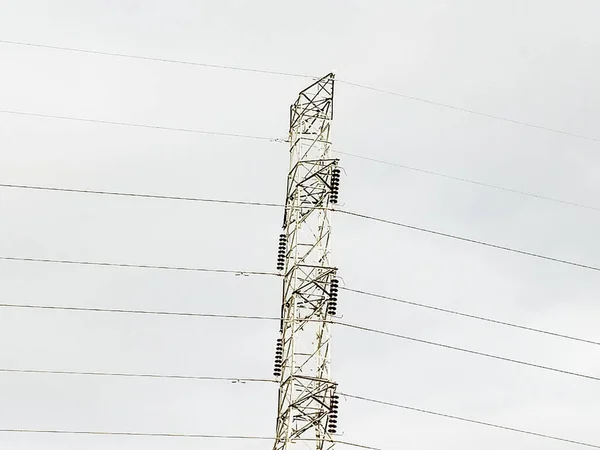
{"x":307,"y":402}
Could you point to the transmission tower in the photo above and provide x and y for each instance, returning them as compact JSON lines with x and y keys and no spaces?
{"x":307,"y":401}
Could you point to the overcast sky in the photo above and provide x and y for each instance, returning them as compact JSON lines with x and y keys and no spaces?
{"x":533,"y":61}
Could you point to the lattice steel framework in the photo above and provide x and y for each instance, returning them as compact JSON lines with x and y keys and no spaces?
{"x":307,"y":403}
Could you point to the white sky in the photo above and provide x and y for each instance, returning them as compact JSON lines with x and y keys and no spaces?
{"x":535,"y":61}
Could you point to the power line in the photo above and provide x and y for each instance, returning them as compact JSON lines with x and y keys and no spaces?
{"x":270,"y":204}
{"x":471,"y":316}
{"x":472,"y":111}
{"x":169,"y":435}
{"x":478,"y":422}
{"x":137,"y":375}
{"x":138,"y":266}
{"x":466,"y":180}
{"x":341,"y":211}
{"x":280,"y":140}
{"x":139,"y":125}
{"x":137,"y":434}
{"x":252,"y":437}
{"x":233,"y":316}
{"x":164,"y":60}
{"x":133,"y":194}
{"x":343,"y":324}
{"x":465,"y":350}
{"x":136,"y":311}
{"x":297,"y":75}
{"x":464,"y":239}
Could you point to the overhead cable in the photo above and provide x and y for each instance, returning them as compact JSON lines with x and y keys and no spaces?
{"x":137,"y":434}
{"x":472,"y":111}
{"x":341,"y":211}
{"x":136,"y":311}
{"x":297,"y":75}
{"x":139,"y":125}
{"x":360,"y":292}
{"x":282,"y":140}
{"x":464,"y":239}
{"x":470,"y":316}
{"x":334,"y":322}
{"x":271,"y":204}
{"x":168,"y":435}
{"x":138,"y":266}
{"x":149,"y":58}
{"x":133,"y":194}
{"x":138,"y":375}
{"x":478,"y":422}
{"x":466,"y":180}
{"x":466,"y":350}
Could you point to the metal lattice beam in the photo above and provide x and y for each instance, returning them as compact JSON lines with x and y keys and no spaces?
{"x":307,"y":403}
